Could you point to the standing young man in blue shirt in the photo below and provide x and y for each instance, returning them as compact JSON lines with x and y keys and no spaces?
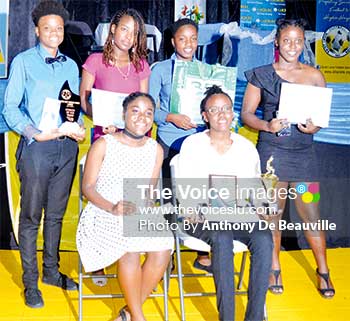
{"x":46,"y":160}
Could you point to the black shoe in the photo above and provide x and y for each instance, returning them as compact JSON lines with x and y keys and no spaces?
{"x":62,"y":281}
{"x":276,"y":288}
{"x":172,"y":263}
{"x":33,"y":298}
{"x":328,"y":292}
{"x":200,"y":266}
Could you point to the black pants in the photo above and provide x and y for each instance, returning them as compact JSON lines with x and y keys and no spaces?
{"x":46,"y":170}
{"x":260,"y":246}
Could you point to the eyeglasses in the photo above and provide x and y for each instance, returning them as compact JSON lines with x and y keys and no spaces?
{"x":213,"y":110}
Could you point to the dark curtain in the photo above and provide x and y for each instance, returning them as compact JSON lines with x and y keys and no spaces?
{"x":334,"y":168}
{"x":223,"y":11}
{"x":305,"y":9}
{"x":21,"y":26}
{"x":155,"y":12}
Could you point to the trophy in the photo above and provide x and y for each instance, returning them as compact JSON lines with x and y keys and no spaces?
{"x":70,"y":104}
{"x":269,"y":178}
{"x":69,"y":110}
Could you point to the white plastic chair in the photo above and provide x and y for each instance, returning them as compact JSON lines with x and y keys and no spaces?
{"x":193,"y":243}
{"x":82,"y":275}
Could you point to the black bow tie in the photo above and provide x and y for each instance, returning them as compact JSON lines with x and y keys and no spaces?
{"x":60,"y":58}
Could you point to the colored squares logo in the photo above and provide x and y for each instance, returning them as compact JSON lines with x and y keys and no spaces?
{"x":309,"y":193}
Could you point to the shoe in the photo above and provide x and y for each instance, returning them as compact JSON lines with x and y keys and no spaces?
{"x":122,"y":314}
{"x":276,"y":288}
{"x":62,"y":281}
{"x":98,"y":279}
{"x":328,"y":289}
{"x":33,"y":298}
{"x":172,"y":263}
{"x":200,"y":266}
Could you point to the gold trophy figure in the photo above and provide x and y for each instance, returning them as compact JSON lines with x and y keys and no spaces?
{"x":269,"y":180}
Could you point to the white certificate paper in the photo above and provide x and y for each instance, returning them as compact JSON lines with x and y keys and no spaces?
{"x":107,"y":108}
{"x":300,"y":102}
{"x":50,"y":117}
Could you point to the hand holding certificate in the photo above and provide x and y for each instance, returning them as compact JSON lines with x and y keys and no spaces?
{"x":301,"y":102}
{"x":107,"y":108}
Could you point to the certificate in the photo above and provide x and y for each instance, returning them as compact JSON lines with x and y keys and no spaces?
{"x":189,"y":103}
{"x":300,"y":102}
{"x":230,"y":203}
{"x":191,"y":96}
{"x":226,"y":183}
{"x":190,"y":81}
{"x":50,"y":117}
{"x":107,"y":108}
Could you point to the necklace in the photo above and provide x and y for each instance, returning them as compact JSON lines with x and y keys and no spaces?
{"x":131,"y":135}
{"x":125,"y":76}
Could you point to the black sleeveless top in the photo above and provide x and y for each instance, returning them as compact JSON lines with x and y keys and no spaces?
{"x":269,"y":82}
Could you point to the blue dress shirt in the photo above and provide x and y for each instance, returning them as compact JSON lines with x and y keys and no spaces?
{"x":160,"y":84}
{"x":31,"y":80}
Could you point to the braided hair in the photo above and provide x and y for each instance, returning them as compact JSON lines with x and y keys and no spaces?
{"x":213,"y":90}
{"x":139,"y":49}
{"x":284,"y":23}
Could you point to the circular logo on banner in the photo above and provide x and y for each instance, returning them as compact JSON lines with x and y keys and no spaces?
{"x":335,"y":41}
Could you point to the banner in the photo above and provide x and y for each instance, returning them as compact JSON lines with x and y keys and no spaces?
{"x":261,"y":14}
{"x":333,"y":50}
{"x":4,"y":14}
{"x":191,"y":9}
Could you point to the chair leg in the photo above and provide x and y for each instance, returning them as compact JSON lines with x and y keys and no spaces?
{"x":241,"y":271}
{"x":265,"y":313}
{"x":80,"y":285}
{"x":165,"y":294}
{"x":179,"y":276}
{"x":80,"y":268}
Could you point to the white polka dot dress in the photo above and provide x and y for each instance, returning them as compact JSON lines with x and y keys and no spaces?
{"x":100,"y":239}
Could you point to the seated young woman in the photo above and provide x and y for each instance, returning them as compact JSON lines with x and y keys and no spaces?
{"x":101,"y":237}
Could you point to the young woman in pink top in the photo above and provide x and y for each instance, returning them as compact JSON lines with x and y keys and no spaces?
{"x":121,"y":67}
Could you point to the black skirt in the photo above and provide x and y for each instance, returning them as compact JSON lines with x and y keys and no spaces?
{"x":291,"y":165}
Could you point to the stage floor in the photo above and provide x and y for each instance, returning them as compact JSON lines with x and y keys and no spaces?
{"x":300,"y":301}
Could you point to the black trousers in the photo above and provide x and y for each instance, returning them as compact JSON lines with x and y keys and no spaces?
{"x":46,"y":171}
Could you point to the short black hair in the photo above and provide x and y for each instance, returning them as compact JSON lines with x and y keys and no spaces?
{"x":213,"y":90}
{"x":49,"y":7}
{"x":284,"y":23}
{"x":182,"y":22}
{"x":133,"y":96}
